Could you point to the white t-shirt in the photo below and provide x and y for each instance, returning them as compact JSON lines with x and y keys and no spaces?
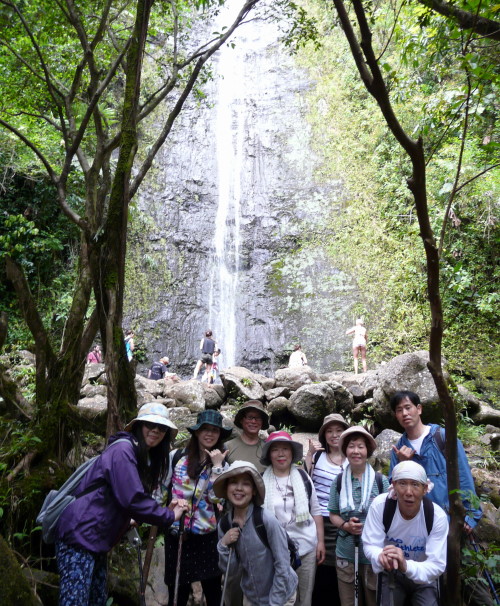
{"x":425,"y":554}
{"x":417,"y":444}
{"x":284,"y":509}
{"x":324,"y":474}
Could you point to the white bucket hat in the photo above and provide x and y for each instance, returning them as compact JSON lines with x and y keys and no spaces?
{"x":154,"y":412}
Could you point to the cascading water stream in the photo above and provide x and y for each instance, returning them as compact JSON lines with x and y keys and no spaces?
{"x":227,"y":237}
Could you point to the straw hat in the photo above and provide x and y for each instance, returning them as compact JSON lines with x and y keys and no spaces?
{"x":154,"y":412}
{"x":281,"y":436}
{"x":370,"y":440}
{"x":238,"y":468}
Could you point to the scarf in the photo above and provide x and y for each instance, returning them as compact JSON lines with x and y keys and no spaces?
{"x":346,"y":501}
{"x":300,"y":499}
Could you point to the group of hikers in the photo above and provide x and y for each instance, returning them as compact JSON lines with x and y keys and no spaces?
{"x":280,"y":528}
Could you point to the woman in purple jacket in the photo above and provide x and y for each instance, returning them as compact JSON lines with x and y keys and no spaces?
{"x":124,"y":476}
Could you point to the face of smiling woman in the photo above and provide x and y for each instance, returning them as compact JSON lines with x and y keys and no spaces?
{"x":207,"y":435}
{"x":240,"y":490}
{"x":153,"y":434}
{"x":281,"y":457}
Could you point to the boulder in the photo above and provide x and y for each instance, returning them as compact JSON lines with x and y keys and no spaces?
{"x":182,"y":417}
{"x":487,"y":483}
{"x":96,"y":403}
{"x":385,"y":441}
{"x":472,"y":402}
{"x":488,"y":528}
{"x":296,"y":377}
{"x":277,"y":392}
{"x":155,"y":388}
{"x":241,"y":383}
{"x":217,"y":387}
{"x":90,"y":390}
{"x":94,"y":373}
{"x":312,"y":402}
{"x":408,"y":371}
{"x":487,"y":414}
{"x":265,"y":382}
{"x":212,"y":396}
{"x":278,"y":405}
{"x":188,"y":394}
{"x":362,"y":385}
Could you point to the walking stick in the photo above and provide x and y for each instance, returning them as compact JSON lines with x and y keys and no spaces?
{"x":356,"y":569}
{"x":231,"y":549}
{"x":392,"y":585}
{"x":179,"y":556}
{"x":486,"y":574}
{"x":149,"y":553}
{"x":135,"y":541}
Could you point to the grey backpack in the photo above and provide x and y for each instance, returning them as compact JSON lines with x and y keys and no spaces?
{"x":57,"y":500}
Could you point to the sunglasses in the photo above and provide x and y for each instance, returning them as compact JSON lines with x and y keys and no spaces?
{"x":151,"y":426}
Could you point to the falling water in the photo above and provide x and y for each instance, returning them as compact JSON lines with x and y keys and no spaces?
{"x":227,"y":239}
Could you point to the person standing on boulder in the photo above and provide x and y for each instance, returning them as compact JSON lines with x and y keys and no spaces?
{"x":297,"y":357}
{"x":158,"y":369}
{"x":207,"y":348}
{"x":359,"y":343}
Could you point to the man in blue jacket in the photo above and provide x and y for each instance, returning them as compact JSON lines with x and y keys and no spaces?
{"x":424,"y":444}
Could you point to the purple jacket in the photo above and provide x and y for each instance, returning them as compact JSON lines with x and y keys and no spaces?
{"x":99,"y":519}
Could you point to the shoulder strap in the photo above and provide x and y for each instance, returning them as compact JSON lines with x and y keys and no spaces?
{"x":439,"y":439}
{"x":224,"y":523}
{"x":390,"y":510}
{"x":380,"y":483}
{"x":307,"y":482}
{"x":388,"y":515}
{"x":339,"y":482}
{"x":179,"y":453}
{"x":428,"y":513}
{"x":258,"y":521}
{"x":316,"y":457}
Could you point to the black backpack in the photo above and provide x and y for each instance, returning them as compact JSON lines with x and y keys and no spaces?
{"x":390,"y":510}
{"x":261,"y":530}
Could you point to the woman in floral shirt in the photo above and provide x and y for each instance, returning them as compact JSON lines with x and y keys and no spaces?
{"x":192,"y":476}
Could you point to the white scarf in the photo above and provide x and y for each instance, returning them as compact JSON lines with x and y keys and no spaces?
{"x":299,"y":493}
{"x":346,"y":501}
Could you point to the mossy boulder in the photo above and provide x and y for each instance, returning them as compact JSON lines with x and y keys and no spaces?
{"x":14,"y":588}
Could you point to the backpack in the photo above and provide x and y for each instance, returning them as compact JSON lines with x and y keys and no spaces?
{"x":57,"y":500}
{"x":261,"y":530}
{"x":390,"y":510}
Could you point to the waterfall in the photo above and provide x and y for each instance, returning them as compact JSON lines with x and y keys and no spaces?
{"x":229,"y":139}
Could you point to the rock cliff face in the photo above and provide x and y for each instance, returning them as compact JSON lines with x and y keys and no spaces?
{"x":227,"y":231}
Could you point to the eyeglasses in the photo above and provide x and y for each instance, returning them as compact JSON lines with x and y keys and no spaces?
{"x":253,"y":418}
{"x":151,"y":426}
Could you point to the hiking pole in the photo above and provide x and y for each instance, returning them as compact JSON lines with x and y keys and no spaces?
{"x":486,"y":574}
{"x":135,"y":541}
{"x":149,"y":553}
{"x":179,"y":556}
{"x":356,"y":569}
{"x":231,"y":549}
{"x":392,"y":586}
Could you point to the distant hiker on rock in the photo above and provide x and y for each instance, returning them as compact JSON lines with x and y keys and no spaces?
{"x":212,"y":375}
{"x":158,"y":369}
{"x":207,"y":348}
{"x":359,"y":343}
{"x":297,"y":357}
{"x":129,"y":344}
{"x":95,"y":356}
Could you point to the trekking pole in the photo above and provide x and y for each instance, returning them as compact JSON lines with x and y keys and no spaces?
{"x":179,"y":557}
{"x":356,"y":569}
{"x":392,"y":586}
{"x":149,"y":553}
{"x":486,"y":574}
{"x":231,"y":549}
{"x":135,"y":541}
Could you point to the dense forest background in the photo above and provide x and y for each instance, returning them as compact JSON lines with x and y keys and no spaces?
{"x":443,"y":80}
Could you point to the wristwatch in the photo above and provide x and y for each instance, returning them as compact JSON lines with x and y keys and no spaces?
{"x":217,"y":470}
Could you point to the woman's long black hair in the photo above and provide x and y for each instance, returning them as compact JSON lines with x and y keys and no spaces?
{"x":152,"y":463}
{"x":194,"y":467}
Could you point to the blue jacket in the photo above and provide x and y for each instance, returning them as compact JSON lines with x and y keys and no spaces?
{"x":433,"y":461}
{"x":99,"y":519}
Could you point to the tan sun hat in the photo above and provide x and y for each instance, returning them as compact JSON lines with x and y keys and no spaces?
{"x":335,"y":417}
{"x":238,"y":468}
{"x":370,"y":440}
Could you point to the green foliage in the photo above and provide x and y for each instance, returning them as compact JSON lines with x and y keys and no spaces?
{"x":374,"y":233}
